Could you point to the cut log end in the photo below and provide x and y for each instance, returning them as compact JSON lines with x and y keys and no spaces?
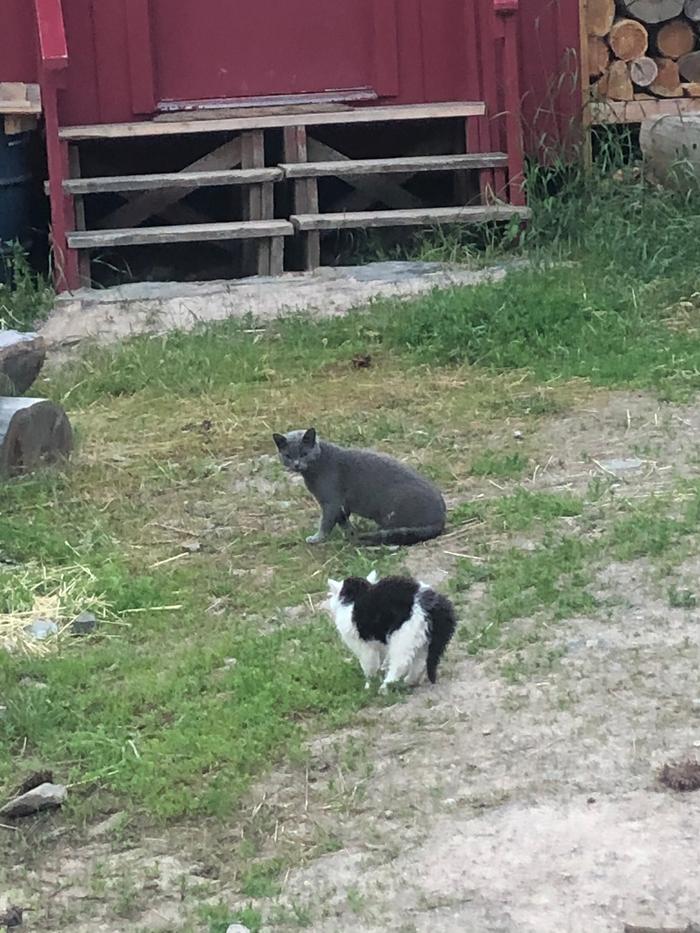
{"x":671,"y":148}
{"x":628,"y":39}
{"x":32,"y":431}
{"x":643,"y":71}
{"x":668,"y":81}
{"x":675,"y":39}
{"x":691,"y":8}
{"x":689,"y":66}
{"x":653,"y":11}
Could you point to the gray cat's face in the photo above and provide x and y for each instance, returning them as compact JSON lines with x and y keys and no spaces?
{"x":297,"y":449}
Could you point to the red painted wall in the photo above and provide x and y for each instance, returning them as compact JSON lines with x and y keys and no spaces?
{"x":446,"y":50}
{"x":549,"y":72}
{"x":18,"y":58}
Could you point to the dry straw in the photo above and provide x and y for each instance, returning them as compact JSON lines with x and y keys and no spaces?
{"x":33,"y":593}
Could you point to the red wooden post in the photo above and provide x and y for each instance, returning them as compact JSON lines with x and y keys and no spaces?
{"x":508,"y":9}
{"x":53,"y":52}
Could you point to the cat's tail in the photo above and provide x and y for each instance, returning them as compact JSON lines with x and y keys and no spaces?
{"x":443,"y":623}
{"x":401,"y":535}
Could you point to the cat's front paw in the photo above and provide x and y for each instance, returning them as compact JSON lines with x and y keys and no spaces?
{"x":315,"y":539}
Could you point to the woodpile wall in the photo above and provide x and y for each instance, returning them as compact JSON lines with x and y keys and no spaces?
{"x":643,"y":49}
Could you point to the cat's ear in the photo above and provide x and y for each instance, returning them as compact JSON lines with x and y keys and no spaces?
{"x":309,"y":438}
{"x":280,"y":440}
{"x":372,"y":577}
{"x":334,"y":587}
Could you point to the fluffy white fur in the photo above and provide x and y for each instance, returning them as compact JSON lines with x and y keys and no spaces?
{"x":405,"y":654}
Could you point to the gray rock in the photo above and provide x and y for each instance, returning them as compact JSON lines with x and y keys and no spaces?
{"x":41,"y":629}
{"x":42,"y":797}
{"x":237,"y":928}
{"x":106,"y":826}
{"x":620,"y":466}
{"x":84,"y":624}
{"x":21,"y":358}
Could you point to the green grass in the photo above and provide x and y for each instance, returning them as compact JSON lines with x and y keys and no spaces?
{"x":554,"y":576}
{"x":25,"y":297}
{"x":172,"y":435}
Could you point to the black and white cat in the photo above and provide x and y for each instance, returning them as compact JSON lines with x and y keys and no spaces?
{"x":345,"y":481}
{"x":396,"y":624}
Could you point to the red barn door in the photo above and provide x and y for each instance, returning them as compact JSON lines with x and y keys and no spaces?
{"x":219,"y":50}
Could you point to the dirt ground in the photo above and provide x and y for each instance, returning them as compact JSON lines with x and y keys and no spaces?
{"x":481,"y":804}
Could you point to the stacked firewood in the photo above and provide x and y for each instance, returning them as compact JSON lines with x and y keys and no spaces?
{"x":644,"y":49}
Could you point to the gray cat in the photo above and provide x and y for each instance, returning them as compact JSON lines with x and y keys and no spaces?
{"x":407,"y":507}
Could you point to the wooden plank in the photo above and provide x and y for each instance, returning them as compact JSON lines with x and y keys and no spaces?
{"x":18,"y":97}
{"x":441,"y":111}
{"x":412,"y":164}
{"x":276,"y":255}
{"x":154,"y":202}
{"x":305,"y":193}
{"x":190,"y":180}
{"x":79,"y":210}
{"x":23,"y":108}
{"x":611,"y":111}
{"x":256,"y":255}
{"x":191,"y":233}
{"x":52,"y":34}
{"x":432,"y":216}
{"x":330,"y":102}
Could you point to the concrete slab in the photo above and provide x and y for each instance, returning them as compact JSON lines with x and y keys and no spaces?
{"x":111,"y":314}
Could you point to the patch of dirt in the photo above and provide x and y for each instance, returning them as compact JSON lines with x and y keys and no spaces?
{"x":478,"y":804}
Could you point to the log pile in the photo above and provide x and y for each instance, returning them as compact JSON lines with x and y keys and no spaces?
{"x":643,"y":49}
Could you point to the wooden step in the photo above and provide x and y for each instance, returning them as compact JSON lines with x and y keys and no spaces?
{"x":100,"y":185}
{"x":441,"y":111}
{"x":350,"y":167}
{"x":186,"y":233}
{"x":428,"y":217}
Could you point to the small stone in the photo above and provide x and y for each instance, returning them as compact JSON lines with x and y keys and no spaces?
{"x":486,"y":731}
{"x":518,"y":435}
{"x":84,"y":624}
{"x":620,"y":466}
{"x":106,"y":826}
{"x":229,"y":663}
{"x":42,"y":797}
{"x":12,"y":917}
{"x":36,"y":684}
{"x":192,"y":546}
{"x":694,"y":705}
{"x":41,"y":629}
{"x":237,"y":928}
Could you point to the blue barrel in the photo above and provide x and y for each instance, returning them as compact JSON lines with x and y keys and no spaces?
{"x":15,"y":187}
